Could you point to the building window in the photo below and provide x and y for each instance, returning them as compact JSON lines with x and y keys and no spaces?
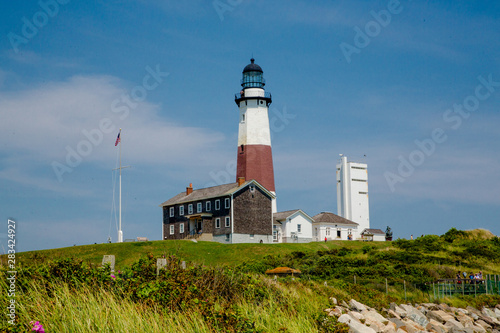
{"x":181,"y":210}
{"x":171,"y":211}
{"x":299,"y":228}
{"x":208,"y":206}
{"x":199,"y":207}
{"x":243,"y":118}
{"x":338,"y":233}
{"x":228,"y":221}
{"x":172,"y":229}
{"x":217,"y":204}
{"x":275,"y":235}
{"x":217,"y":222}
{"x":190,"y":209}
{"x":181,"y":228}
{"x":227,"y":203}
{"x":328,"y":231}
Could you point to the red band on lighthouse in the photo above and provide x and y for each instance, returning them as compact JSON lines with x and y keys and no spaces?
{"x":256,"y":162}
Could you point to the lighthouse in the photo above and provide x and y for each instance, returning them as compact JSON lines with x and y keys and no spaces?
{"x":255,"y":158}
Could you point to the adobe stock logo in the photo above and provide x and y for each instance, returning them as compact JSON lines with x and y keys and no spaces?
{"x":454,"y":117}
{"x":372,"y":29}
{"x":30,"y":28}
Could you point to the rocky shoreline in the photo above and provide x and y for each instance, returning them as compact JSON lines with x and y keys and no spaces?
{"x":425,"y":317}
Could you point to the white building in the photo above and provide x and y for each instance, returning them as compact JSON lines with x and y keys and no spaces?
{"x":329,"y":226}
{"x":352,"y":192}
{"x":376,"y":235}
{"x":292,"y":226}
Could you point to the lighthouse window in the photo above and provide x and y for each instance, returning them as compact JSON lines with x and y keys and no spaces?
{"x":243,"y":118}
{"x":261,"y":102}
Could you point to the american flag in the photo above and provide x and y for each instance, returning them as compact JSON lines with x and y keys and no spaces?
{"x":118,"y":139}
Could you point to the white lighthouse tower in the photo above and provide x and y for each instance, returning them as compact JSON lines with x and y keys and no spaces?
{"x":255,"y":158}
{"x":352,"y":192}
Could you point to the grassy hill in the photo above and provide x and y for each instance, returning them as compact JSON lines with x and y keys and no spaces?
{"x":224,"y":288}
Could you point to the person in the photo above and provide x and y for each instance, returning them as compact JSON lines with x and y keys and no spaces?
{"x":471,"y":277}
{"x":465,"y":275}
{"x":325,"y":239}
{"x":459,"y":277}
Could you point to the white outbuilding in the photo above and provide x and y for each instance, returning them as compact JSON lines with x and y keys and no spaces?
{"x":330,"y":226}
{"x":292,"y":226}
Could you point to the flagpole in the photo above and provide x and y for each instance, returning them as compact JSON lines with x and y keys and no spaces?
{"x":120,"y":233}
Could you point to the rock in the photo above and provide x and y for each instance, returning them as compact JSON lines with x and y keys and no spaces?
{"x":483,"y":324}
{"x":392,"y":314}
{"x":397,"y":322}
{"x":358,"y":316}
{"x":355,"y":305}
{"x":344,"y":304}
{"x":400,"y":311}
{"x":440,"y":316}
{"x":478,"y":329}
{"x":443,"y":307}
{"x":375,"y":324}
{"x":411,"y":326}
{"x":418,"y":317}
{"x":463,"y":311}
{"x":454,"y":323}
{"x":464,"y":319}
{"x":430,"y":306}
{"x":375,"y":316}
{"x":436,"y":326}
{"x":333,"y":300}
{"x":497,"y":311}
{"x":392,"y":306}
{"x":490,"y":313}
{"x":354,"y":325}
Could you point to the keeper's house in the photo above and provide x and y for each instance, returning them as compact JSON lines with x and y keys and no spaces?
{"x":238,"y":212}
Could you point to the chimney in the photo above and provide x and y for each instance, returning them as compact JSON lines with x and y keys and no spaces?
{"x":241,"y":180}
{"x":189,"y":189}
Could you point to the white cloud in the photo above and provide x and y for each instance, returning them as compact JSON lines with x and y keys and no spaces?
{"x":40,"y":123}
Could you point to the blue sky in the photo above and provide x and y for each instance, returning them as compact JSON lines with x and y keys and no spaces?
{"x":417,"y":92}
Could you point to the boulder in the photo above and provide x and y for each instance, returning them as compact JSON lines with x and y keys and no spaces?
{"x":411,"y":326}
{"x":452,"y":323}
{"x":375,"y":324}
{"x":478,"y":329}
{"x":375,"y":316}
{"x":464,"y":319}
{"x":358,"y":316}
{"x":354,"y":325}
{"x":418,"y":317}
{"x":397,"y":322}
{"x":483,"y":324}
{"x":355,"y":305}
{"x":436,"y":326}
{"x":440,"y":316}
{"x":333,"y":300}
{"x":392,"y":314}
{"x":489,"y":313}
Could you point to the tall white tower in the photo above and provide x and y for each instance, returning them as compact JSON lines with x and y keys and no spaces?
{"x":255,"y":157}
{"x":352,"y":192}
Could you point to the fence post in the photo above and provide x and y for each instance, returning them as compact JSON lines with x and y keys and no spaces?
{"x":404,"y":281}
{"x":486,"y":284}
{"x":386,"y":287}
{"x":474,"y":288}
{"x":434,"y":290}
{"x":354,"y":279}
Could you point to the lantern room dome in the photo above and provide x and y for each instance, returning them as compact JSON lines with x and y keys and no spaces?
{"x":252,"y":67}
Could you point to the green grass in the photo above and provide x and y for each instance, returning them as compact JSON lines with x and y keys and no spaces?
{"x":207,"y":253}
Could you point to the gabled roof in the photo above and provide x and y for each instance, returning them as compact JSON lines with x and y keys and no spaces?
{"x":281,"y":216}
{"x":327,"y":217}
{"x":372,"y":232}
{"x":213,"y":192}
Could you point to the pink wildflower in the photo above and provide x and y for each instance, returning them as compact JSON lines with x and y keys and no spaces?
{"x":113,"y":276}
{"x":37,"y":327}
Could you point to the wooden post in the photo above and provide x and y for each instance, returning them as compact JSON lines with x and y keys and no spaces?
{"x":354,"y":279}
{"x":474,"y":288}
{"x":386,"y":287}
{"x":434,"y":290}
{"x":404,"y":281}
